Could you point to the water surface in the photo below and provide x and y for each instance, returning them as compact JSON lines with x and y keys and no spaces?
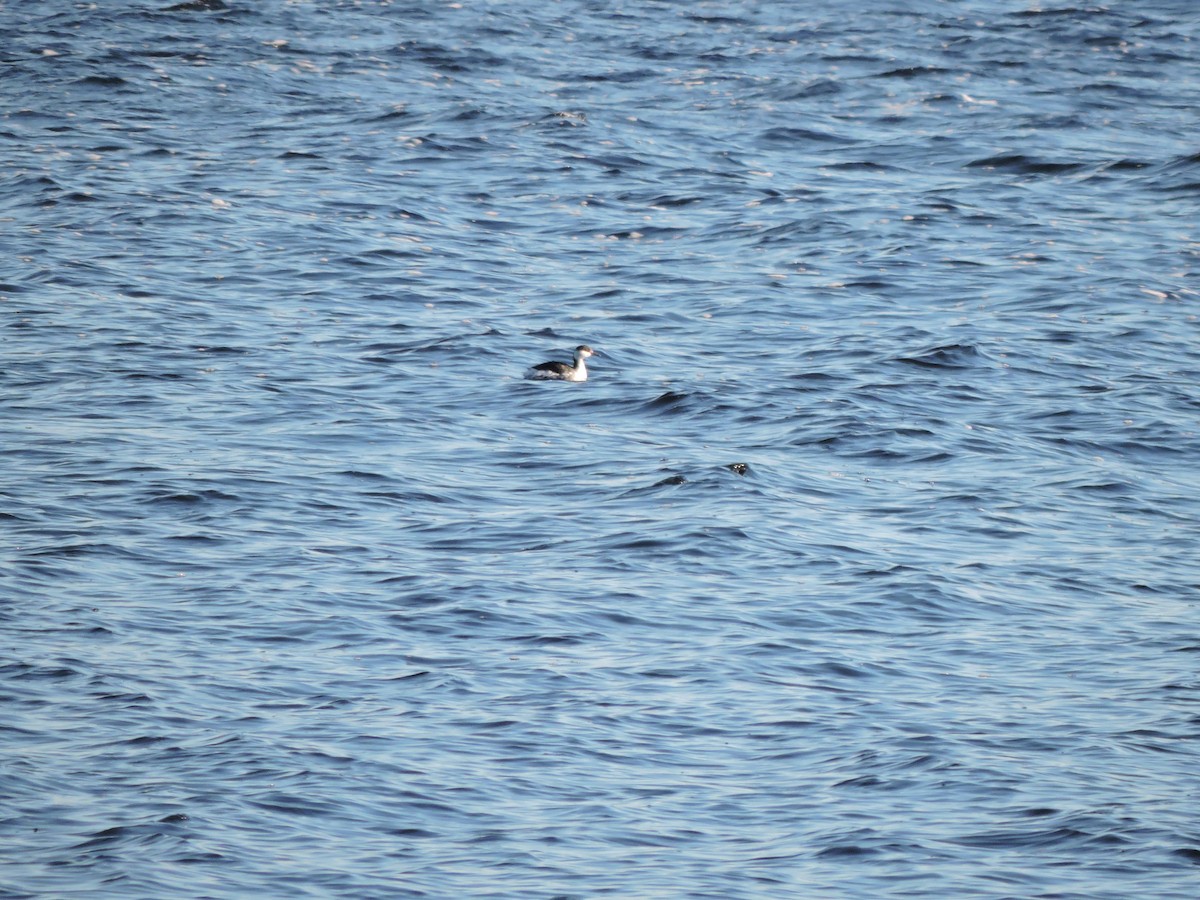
{"x":864,"y":565}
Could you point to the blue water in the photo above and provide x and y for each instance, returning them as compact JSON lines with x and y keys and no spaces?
{"x":864,"y":565}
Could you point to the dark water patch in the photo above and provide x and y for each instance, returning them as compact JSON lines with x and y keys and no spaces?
{"x":950,"y":356}
{"x":782,"y":136}
{"x":913,"y":72}
{"x":858,"y":166}
{"x":1016,"y":162}
{"x":820,"y":87}
{"x":197,"y":6}
{"x":102,"y":81}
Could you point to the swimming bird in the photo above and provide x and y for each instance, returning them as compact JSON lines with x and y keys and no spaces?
{"x":561,"y":371}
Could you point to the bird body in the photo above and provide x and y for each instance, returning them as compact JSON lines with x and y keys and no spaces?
{"x":560,"y":371}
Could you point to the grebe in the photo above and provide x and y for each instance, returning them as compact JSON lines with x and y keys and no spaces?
{"x":563,"y":372}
